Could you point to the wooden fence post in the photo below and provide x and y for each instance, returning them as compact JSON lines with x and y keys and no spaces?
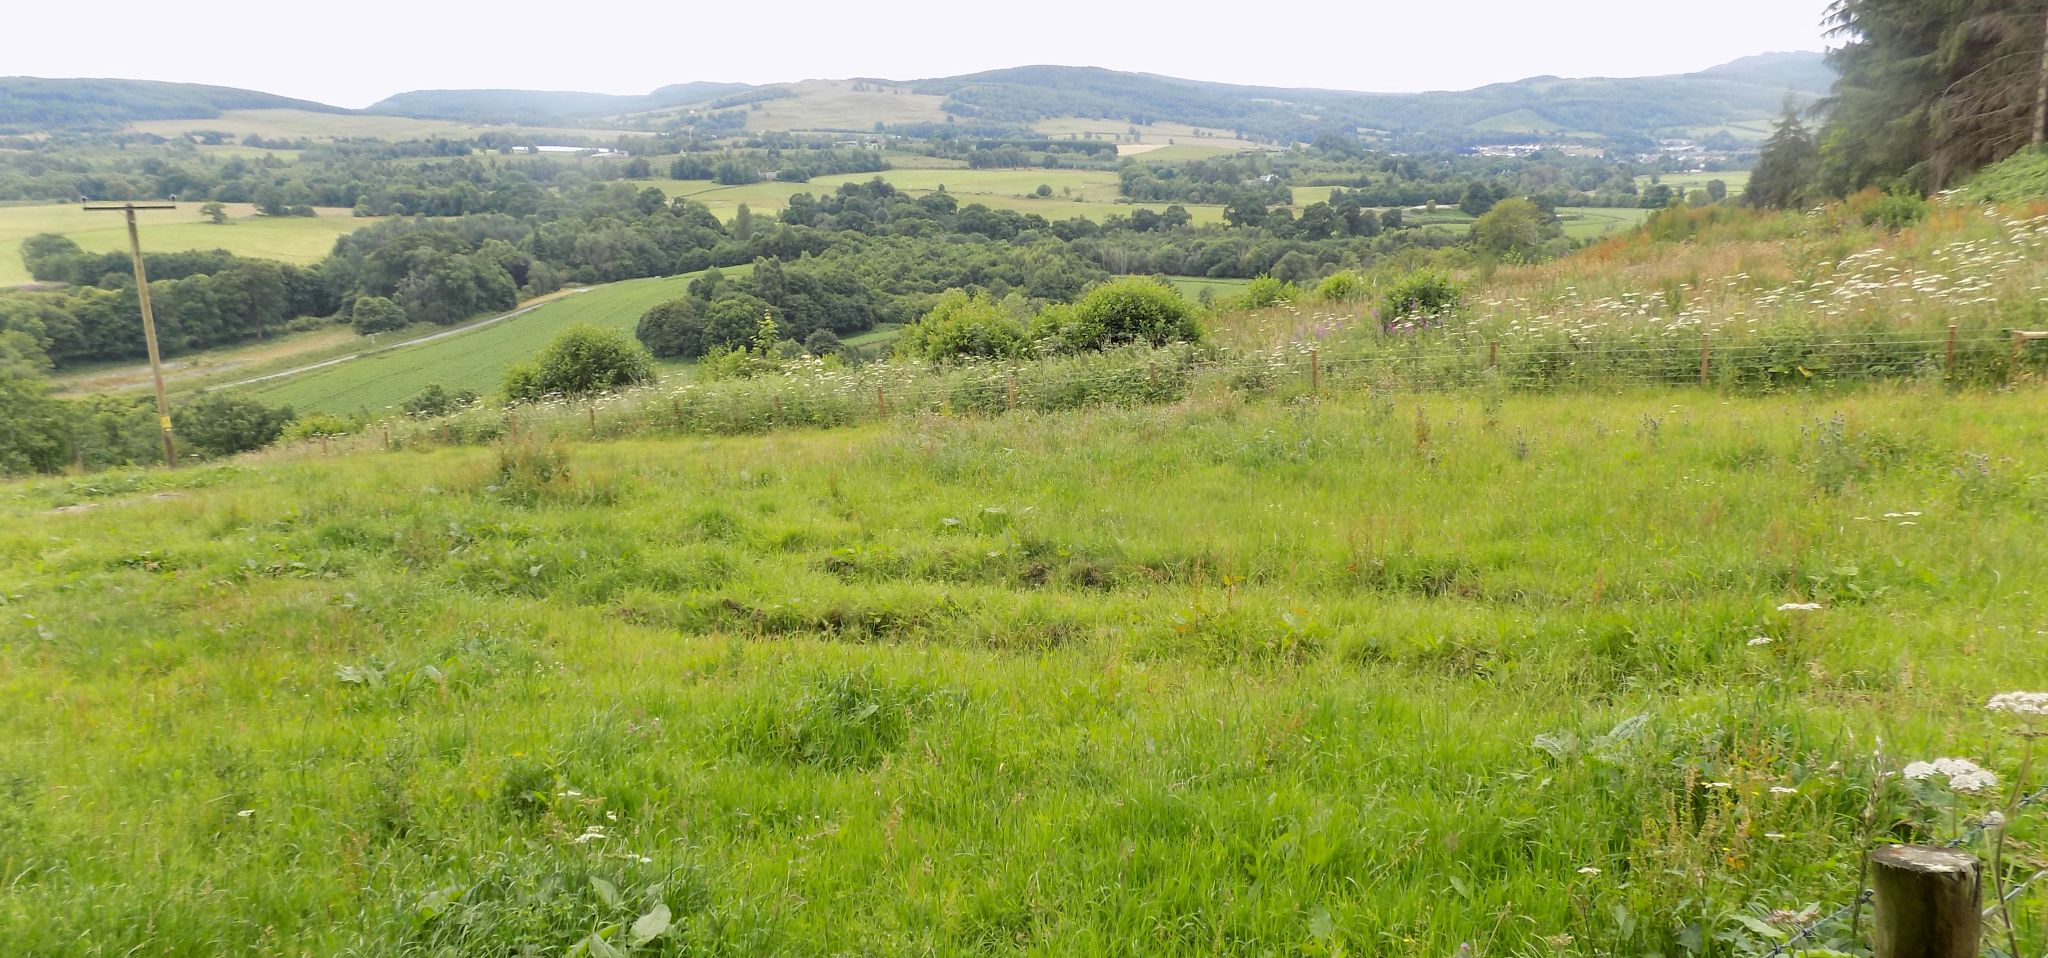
{"x":778,"y":409}
{"x":881,"y":401}
{"x":1493,"y":354}
{"x":1706,"y":355}
{"x":1928,"y":902}
{"x":1315,"y":371}
{"x":1949,"y":361}
{"x":511,"y":426}
{"x":592,"y":409}
{"x":323,"y":444}
{"x":1013,"y":392}
{"x":387,"y":438}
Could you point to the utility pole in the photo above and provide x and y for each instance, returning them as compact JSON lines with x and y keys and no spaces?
{"x":156,"y":369}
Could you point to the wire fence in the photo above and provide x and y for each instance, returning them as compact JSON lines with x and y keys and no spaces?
{"x":2000,"y":906}
{"x":816,"y":395}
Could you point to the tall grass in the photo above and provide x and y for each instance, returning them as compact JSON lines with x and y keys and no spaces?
{"x":1202,"y":676}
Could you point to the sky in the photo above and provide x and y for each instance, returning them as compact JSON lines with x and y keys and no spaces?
{"x":355,"y":53}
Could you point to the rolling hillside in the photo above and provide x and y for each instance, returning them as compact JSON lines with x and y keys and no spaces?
{"x":35,"y":104}
{"x":1734,"y":98}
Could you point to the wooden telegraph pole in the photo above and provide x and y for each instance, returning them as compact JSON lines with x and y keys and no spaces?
{"x":156,"y":369}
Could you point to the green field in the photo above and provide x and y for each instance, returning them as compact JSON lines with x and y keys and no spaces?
{"x":474,"y":360}
{"x":293,"y":239}
{"x":294,"y":124}
{"x":1737,"y":181}
{"x":1092,"y":193}
{"x":1181,"y":153}
{"x":1193,"y":286}
{"x":1593,"y":222}
{"x":1211,"y":677}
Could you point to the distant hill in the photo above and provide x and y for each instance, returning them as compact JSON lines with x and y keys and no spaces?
{"x":35,"y":104}
{"x":1616,"y":109}
{"x":1733,"y":99}
{"x":542,"y":108}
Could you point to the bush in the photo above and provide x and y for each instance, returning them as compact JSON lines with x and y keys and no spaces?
{"x":1424,"y":292}
{"x":1342,"y":287}
{"x":436,"y":401}
{"x":218,"y":424}
{"x":823,"y":342}
{"x":1893,"y":211}
{"x":1265,"y":292}
{"x":584,"y":359}
{"x":688,"y":328}
{"x":319,"y":424}
{"x":963,"y":326}
{"x":375,"y":314}
{"x":1121,"y":312}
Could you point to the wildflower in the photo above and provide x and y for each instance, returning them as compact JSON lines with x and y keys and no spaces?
{"x":1761,"y":640}
{"x":1800,"y":607}
{"x":1589,"y":870}
{"x":2019,"y":703}
{"x":245,"y":813}
{"x":591,"y":834}
{"x":1963,"y":775}
{"x":1994,"y":819}
{"x":1782,"y":790}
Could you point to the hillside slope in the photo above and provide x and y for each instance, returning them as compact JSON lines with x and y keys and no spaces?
{"x":37,"y":104}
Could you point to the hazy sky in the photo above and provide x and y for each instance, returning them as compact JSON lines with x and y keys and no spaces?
{"x":354,"y":53}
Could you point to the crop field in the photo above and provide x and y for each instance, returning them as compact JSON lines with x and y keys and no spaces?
{"x":1092,"y":193}
{"x":1173,"y":153}
{"x":475,"y":360}
{"x":292,"y":239}
{"x":1162,"y":133}
{"x":1737,"y":181}
{"x":292,"y":124}
{"x":1374,"y":675}
{"x":1592,"y":222}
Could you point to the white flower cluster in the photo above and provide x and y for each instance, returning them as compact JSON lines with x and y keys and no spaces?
{"x":1963,"y":775}
{"x":2020,"y":703}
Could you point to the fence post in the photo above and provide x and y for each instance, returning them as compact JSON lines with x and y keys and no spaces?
{"x":592,"y":409}
{"x":1315,"y":371}
{"x":1927,"y":902}
{"x":1706,"y":355}
{"x":675,"y":411}
{"x":323,"y":444}
{"x":387,"y":438}
{"x":1493,"y":354}
{"x":881,"y":401}
{"x":2019,"y":339}
{"x":1013,"y":392}
{"x":511,"y":426}
{"x":1949,"y":361}
{"x":778,"y":409}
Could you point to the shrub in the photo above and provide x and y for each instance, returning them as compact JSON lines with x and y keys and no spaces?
{"x":218,"y":424}
{"x":963,"y":326}
{"x":1420,"y":293}
{"x":823,"y":342}
{"x":583,"y":359}
{"x":1118,"y":313}
{"x":375,"y":314}
{"x":1341,"y":287}
{"x":436,"y":401}
{"x":318,"y":424}
{"x":1893,"y":211}
{"x":1265,"y":292}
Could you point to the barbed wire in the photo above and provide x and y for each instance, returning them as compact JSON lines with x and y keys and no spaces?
{"x":1977,"y":828}
{"x":1808,"y":929}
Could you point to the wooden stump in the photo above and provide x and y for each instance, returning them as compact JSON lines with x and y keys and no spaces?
{"x":1929,"y":902}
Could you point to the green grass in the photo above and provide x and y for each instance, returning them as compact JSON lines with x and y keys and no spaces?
{"x":293,"y":239}
{"x":1092,"y":192}
{"x":1192,"y":286}
{"x":1210,"y":677}
{"x":1593,"y":222}
{"x":475,"y":360}
{"x":1737,"y":181}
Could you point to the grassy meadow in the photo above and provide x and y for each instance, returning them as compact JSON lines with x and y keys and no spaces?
{"x":292,"y":239}
{"x":1364,"y":676}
